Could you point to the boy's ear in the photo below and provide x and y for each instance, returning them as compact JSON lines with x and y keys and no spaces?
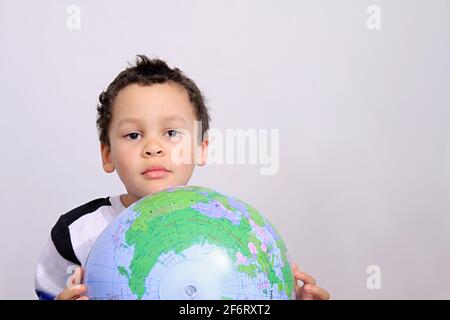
{"x":108,"y":165}
{"x":203,"y":153}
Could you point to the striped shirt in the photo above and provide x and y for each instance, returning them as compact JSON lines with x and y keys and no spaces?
{"x":70,"y":242}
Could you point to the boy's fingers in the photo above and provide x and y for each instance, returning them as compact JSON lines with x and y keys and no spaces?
{"x":70,"y":293}
{"x":83,"y":298}
{"x":298,"y":289}
{"x":318,"y":292}
{"x":309,"y":290}
{"x":298,"y":293}
{"x":306,"y":278}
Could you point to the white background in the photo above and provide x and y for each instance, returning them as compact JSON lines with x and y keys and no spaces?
{"x":363,"y":116}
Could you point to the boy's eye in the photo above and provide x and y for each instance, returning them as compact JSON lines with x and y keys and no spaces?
{"x":173,"y":134}
{"x":133,"y":135}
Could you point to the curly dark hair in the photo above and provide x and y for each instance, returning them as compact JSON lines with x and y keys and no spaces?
{"x":147,"y":72}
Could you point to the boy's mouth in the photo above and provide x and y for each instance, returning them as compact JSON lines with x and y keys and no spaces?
{"x":155,"y":172}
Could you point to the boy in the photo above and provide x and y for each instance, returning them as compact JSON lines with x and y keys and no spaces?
{"x":144,"y":116}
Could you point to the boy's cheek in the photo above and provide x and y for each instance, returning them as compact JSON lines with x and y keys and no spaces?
{"x":182,"y":153}
{"x":183,"y":173}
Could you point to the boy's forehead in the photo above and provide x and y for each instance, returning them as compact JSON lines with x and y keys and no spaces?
{"x":159,"y":91}
{"x":162,"y":102}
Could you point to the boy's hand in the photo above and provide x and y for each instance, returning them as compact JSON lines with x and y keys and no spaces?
{"x":309,"y":290}
{"x":75,"y":292}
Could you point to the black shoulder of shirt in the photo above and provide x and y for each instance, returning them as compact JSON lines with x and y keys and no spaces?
{"x":60,"y":233}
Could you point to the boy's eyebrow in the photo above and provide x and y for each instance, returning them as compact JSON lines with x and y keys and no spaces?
{"x":173,"y":117}
{"x":125,"y":120}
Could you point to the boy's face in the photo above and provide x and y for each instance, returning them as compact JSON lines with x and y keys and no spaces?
{"x":162,"y":121}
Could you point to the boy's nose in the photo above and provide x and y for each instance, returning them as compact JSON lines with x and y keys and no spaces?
{"x":153,"y":148}
{"x":153,"y":152}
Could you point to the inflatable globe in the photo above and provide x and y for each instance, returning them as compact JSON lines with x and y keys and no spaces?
{"x":188,"y":243}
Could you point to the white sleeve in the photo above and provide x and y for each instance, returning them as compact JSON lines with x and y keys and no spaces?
{"x":52,"y":272}
{"x":71,"y":239}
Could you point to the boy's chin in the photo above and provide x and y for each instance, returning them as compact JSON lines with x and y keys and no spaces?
{"x":160,"y":188}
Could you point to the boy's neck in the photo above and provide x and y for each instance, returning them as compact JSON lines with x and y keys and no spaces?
{"x":127,"y":200}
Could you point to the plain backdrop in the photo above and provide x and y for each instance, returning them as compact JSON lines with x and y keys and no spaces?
{"x":363,"y":116}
